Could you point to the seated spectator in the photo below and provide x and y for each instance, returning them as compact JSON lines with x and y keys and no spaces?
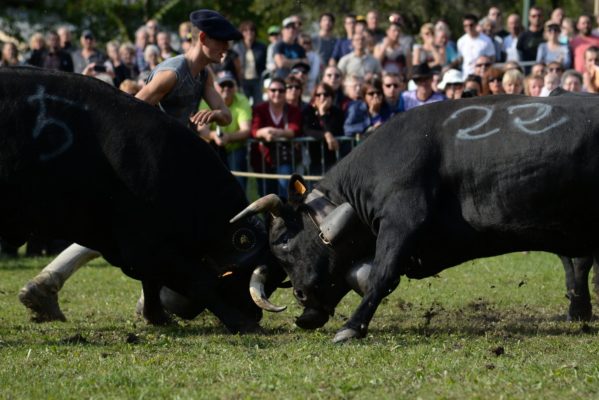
{"x":428,"y":52}
{"x":391,"y":53}
{"x":359,"y":62}
{"x":552,"y":49}
{"x":333,"y":77}
{"x":10,"y":55}
{"x":533,"y":85}
{"x":151,"y":56}
{"x":365,"y":116}
{"x":572,"y":81}
{"x":423,"y":94}
{"x":492,"y":81}
{"x":352,"y":86}
{"x":452,"y":84}
{"x":538,"y":68}
{"x":555,"y":68}
{"x":513,"y":82}
{"x":52,"y":56}
{"x":231,"y":138}
{"x":141,"y":41}
{"x":127,"y":68}
{"x":481,"y":64}
{"x":273,"y":120}
{"x":473,"y":85}
{"x":130,"y":87}
{"x":293,"y":92}
{"x":551,"y":81}
{"x":512,"y":65}
{"x":163,"y":41}
{"x":393,"y":86}
{"x":446,"y":48}
{"x":322,"y":120}
{"x":590,"y":75}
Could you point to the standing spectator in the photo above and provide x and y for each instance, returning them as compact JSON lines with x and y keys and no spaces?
{"x":52,"y":56}
{"x":510,"y":41}
{"x":428,"y":51}
{"x":495,"y":15}
{"x":352,"y":87}
{"x":152,"y":56}
{"x":64,"y":34}
{"x":37,"y":44}
{"x":287,"y":52}
{"x":322,"y":120}
{"x":88,"y":54}
{"x":252,"y":61}
{"x":446,"y":48}
{"x":538,"y":68}
{"x":141,"y":41}
{"x":492,"y":82}
{"x":274,"y":36}
{"x":358,"y":62}
{"x":487,"y":27}
{"x":568,"y":31}
{"x":557,"y":15}
{"x":372,"y":25}
{"x":343,"y":46}
{"x":590,"y":76}
{"x":163,"y":41}
{"x":513,"y":82}
{"x":127,"y":68}
{"x":556,"y":68}
{"x":533,"y":85}
{"x":406,"y":40}
{"x":423,"y":94}
{"x":482,"y":64}
{"x":152,"y":28}
{"x":553,"y":50}
{"x":452,"y":84}
{"x":393,"y":85}
{"x":473,"y":45}
{"x":231,"y":137}
{"x":230,"y":62}
{"x":185,"y":29}
{"x":113,"y":57}
{"x":332,"y":76}
{"x":529,"y":40}
{"x":324,"y":43}
{"x":572,"y":81}
{"x":272,"y":120}
{"x":314,"y":63}
{"x":393,"y":56}
{"x":10,"y":55}
{"x":582,"y":41}
{"x":365,"y":116}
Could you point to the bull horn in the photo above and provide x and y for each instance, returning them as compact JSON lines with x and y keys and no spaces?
{"x":257,"y":291}
{"x":270,"y":202}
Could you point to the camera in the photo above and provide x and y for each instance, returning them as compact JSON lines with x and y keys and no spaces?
{"x":99,"y":68}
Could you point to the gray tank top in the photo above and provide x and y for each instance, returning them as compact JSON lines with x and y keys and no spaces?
{"x":184,"y":99}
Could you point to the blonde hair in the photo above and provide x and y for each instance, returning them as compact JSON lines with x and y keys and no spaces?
{"x":512,"y":76}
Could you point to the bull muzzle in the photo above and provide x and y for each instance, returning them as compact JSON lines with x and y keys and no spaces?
{"x":257,"y":282}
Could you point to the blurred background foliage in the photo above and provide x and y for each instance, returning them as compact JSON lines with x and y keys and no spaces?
{"x":119,"y":19}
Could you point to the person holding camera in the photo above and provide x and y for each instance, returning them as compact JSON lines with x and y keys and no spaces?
{"x":88,"y":57}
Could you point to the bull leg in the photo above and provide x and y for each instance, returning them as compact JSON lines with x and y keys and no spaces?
{"x":40,"y":294}
{"x":313,"y":318}
{"x":577,"y":286}
{"x":384,"y":278}
{"x":596,"y":280}
{"x":150,"y":306}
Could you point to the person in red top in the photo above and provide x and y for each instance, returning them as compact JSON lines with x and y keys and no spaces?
{"x":272,"y":122}
{"x":582,"y":41}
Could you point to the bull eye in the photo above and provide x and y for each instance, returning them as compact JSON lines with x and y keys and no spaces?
{"x":243,"y":240}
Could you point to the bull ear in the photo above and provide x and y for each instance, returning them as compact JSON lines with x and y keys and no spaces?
{"x":297,"y":190}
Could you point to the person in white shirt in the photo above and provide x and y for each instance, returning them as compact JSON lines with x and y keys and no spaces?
{"x":473,"y":45}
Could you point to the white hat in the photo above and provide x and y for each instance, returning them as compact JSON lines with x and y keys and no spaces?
{"x":451,"y":76}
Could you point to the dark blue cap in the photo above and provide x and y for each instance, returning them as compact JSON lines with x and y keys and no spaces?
{"x":214,"y":25}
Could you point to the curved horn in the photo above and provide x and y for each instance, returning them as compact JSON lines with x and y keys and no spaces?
{"x":270,"y":202}
{"x":257,"y":291}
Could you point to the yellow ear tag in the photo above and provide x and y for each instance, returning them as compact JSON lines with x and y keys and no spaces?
{"x":301,"y":189}
{"x":226,"y":274}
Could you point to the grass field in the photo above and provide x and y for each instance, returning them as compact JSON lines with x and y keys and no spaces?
{"x":489,"y":329}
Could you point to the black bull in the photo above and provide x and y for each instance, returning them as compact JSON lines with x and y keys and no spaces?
{"x":440,"y":185}
{"x":82,"y":161}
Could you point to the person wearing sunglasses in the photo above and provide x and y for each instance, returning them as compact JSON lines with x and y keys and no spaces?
{"x":492,"y":82}
{"x":552,"y":49}
{"x":272,"y":122}
{"x":423,"y":94}
{"x":294,"y":88}
{"x":333,"y":77}
{"x":363,"y":116}
{"x":322,"y":120}
{"x":529,"y":40}
{"x":472,"y":45}
{"x":393,"y":85}
{"x":229,"y":140}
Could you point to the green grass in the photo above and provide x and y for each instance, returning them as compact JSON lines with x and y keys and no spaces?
{"x":489,"y":329}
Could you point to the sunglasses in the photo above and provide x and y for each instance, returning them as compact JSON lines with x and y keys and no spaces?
{"x":289,"y":87}
{"x":373,"y":93}
{"x":556,"y":69}
{"x":276,"y":90}
{"x":495,"y":79}
{"x":323,"y":94}
{"x":228,"y":85}
{"x":392,"y":85}
{"x":488,"y":64}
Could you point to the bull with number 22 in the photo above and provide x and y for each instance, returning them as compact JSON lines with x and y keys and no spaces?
{"x":437,"y":186}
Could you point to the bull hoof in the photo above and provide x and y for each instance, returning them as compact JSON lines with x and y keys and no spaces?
{"x":152,"y":316}
{"x":346,"y":334}
{"x":40,"y":296}
{"x":584,"y":313}
{"x":312,"y":318}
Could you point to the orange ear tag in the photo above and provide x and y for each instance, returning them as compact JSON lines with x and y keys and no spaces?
{"x":301,"y":189}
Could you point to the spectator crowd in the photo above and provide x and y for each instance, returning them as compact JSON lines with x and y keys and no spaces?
{"x":315,"y":84}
